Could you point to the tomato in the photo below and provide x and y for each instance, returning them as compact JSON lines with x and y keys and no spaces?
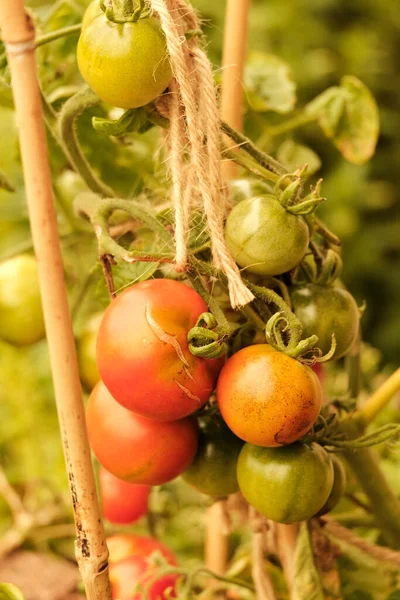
{"x":136,"y":449}
{"x":129,"y":566}
{"x":324,"y":311}
{"x":213,"y":470}
{"x":287,"y":484}
{"x":21,"y":316}
{"x":266,"y":397}
{"x":142,"y":351}
{"x":125,"y":64}
{"x":86,"y":348}
{"x":128,"y":576}
{"x":124,"y":545}
{"x":264,"y":237}
{"x":123,"y":503}
{"x":338,"y":488}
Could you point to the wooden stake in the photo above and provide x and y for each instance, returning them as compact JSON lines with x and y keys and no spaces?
{"x":235,"y":43}
{"x":91,"y":550}
{"x":233,"y":59}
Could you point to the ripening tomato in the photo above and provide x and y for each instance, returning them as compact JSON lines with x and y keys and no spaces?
{"x":264,"y":237}
{"x":142,"y":351}
{"x":126,"y":64}
{"x":266,"y":397}
{"x":123,"y":503}
{"x":338,"y":488}
{"x":86,"y":349}
{"x":213,"y":470}
{"x":21,"y":316}
{"x":128,"y":566}
{"x":326,"y":310}
{"x":287,"y":485}
{"x":136,"y":449}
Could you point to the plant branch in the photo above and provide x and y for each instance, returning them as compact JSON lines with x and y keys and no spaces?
{"x":298,"y":121}
{"x":379,"y":399}
{"x":55,"y":35}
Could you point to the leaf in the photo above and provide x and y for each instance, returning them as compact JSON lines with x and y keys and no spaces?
{"x":131,"y":120}
{"x":294,"y":155}
{"x":307,"y":582}
{"x":269,"y":83}
{"x":8,"y":591}
{"x":394,"y":595}
{"x":349,"y":116}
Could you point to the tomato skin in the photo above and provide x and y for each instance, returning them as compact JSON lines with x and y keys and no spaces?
{"x":136,"y":449}
{"x":142,"y":351}
{"x":264,"y":237}
{"x":21,"y":315}
{"x":324,"y":311}
{"x":126,"y":64}
{"x":338,"y":488}
{"x":266,"y":397}
{"x":123,"y":503}
{"x":86,"y":349}
{"x":128,"y":566}
{"x":288,"y":484}
{"x":213,"y":471}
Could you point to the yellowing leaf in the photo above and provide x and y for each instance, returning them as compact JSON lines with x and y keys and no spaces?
{"x":269,"y":83}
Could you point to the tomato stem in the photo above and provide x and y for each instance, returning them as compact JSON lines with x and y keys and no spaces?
{"x":72,"y":109}
{"x":379,"y":399}
{"x":298,"y":121}
{"x":57,"y":34}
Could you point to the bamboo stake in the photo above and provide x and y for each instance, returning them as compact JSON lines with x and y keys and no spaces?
{"x":91,"y":550}
{"x":233,"y":59}
{"x":235,"y":43}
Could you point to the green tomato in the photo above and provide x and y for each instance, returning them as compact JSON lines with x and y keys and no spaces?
{"x":21,"y":316}
{"x":213,"y":471}
{"x":288,"y":484}
{"x":125,"y":64}
{"x":338,"y":488}
{"x":324,"y":311}
{"x":86,"y":348}
{"x":264,"y":237}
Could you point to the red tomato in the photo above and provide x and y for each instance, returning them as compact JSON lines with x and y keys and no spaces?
{"x":136,"y":449}
{"x":319,"y":371}
{"x":268,"y":398}
{"x":142,"y":351}
{"x":123,"y":503}
{"x":125,"y":545}
{"x":129,"y":566}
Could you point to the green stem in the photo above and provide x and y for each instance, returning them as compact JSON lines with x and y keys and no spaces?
{"x":231,"y":580}
{"x":326,"y":233}
{"x":71,"y":110}
{"x":263,"y":159}
{"x":353,"y":368}
{"x":250,"y":165}
{"x":379,"y":399}
{"x":382,"y":500}
{"x":298,"y":121}
{"x":59,"y":33}
{"x":251,"y":314}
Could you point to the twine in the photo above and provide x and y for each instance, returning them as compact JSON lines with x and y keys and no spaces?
{"x":194,"y":142}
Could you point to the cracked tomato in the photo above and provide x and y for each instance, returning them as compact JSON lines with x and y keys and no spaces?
{"x":142,"y":351}
{"x":268,"y":398}
{"x":136,"y":449}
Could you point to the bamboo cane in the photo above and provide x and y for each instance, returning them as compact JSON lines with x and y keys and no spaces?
{"x":235,"y":43}
{"x":91,"y":550}
{"x":233,"y":59}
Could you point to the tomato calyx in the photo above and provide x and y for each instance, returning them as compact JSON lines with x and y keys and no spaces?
{"x":124,"y":11}
{"x":292,"y":198}
{"x":205,"y":339}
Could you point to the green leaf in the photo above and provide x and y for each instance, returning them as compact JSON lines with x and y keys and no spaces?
{"x":8,"y":591}
{"x":349,"y":116}
{"x":307,"y":582}
{"x":294,"y":155}
{"x":131,"y":120}
{"x":394,"y":595}
{"x":269,"y":83}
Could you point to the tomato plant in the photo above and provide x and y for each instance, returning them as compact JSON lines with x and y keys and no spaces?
{"x":126,"y":64}
{"x":136,"y":449}
{"x":213,"y":471}
{"x":268,"y":398}
{"x":129,"y":567}
{"x":142,"y":351}
{"x":324,"y":311}
{"x":264,"y":237}
{"x":122,"y":502}
{"x":288,"y":484}
{"x":21,"y":317}
{"x":86,"y":348}
{"x":338,"y":488}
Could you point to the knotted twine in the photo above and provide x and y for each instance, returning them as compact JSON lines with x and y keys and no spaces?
{"x":194,"y":142}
